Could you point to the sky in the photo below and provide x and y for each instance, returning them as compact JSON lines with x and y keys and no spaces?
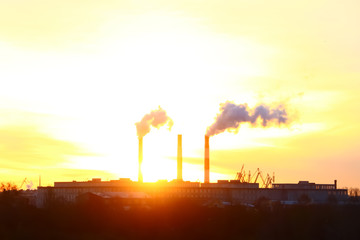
{"x":77,"y":75}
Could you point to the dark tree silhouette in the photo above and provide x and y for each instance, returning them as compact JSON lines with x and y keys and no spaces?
{"x":8,"y":187}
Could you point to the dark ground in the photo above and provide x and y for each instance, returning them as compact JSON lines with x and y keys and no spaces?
{"x":176,"y":220}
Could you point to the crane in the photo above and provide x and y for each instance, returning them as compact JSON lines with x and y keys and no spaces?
{"x":29,"y":184}
{"x":23,"y":183}
{"x":269,"y":180}
{"x":262,"y":179}
{"x":253,"y":178}
{"x":256,"y":175}
{"x":239,"y":175}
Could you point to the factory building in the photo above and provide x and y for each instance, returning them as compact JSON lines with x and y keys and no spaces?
{"x":227,"y":192}
{"x":233,"y":192}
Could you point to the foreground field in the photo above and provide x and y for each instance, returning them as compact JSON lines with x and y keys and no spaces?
{"x":177,"y":220}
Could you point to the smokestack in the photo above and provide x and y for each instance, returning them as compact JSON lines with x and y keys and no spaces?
{"x":207,"y":162}
{"x":140,"y":176}
{"x":179,"y":158}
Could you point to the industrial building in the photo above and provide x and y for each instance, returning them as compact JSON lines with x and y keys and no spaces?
{"x":228,"y":192}
{"x":225,"y":192}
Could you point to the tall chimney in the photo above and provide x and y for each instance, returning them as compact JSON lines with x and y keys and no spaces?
{"x":207,"y":161}
{"x":179,"y":158}
{"x":140,"y":176}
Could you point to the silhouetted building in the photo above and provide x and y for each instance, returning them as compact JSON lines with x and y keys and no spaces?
{"x":228,"y":192}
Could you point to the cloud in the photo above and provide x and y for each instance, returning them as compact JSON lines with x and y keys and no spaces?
{"x":28,"y":147}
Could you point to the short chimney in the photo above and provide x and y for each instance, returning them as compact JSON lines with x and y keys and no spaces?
{"x":179,"y":158}
{"x":207,"y":161}
{"x":140,"y":176}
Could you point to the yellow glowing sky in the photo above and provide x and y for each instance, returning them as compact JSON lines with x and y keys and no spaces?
{"x":76,"y":75}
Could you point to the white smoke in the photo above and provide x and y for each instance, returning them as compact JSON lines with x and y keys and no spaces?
{"x":232,"y":115}
{"x":155,"y":118}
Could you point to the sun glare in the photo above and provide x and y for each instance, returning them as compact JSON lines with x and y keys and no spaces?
{"x":83,"y":77}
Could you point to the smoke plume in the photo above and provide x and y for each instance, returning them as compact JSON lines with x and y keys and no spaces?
{"x":232,"y":115}
{"x":155,"y":118}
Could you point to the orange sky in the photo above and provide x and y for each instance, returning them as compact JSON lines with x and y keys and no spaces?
{"x":77,"y":75}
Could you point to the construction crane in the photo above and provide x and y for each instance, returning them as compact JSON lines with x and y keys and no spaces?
{"x":242,"y":176}
{"x":262,"y":179}
{"x":270,"y":180}
{"x":253,"y":178}
{"x":23,"y":183}
{"x":243,"y":180}
{"x":257,"y":175}
{"x":239,"y":175}
{"x":29,"y":184}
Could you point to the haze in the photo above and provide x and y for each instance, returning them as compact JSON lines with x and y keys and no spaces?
{"x":77,"y":75}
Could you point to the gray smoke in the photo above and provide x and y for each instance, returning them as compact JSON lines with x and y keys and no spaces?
{"x":155,"y":118}
{"x":232,"y":115}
